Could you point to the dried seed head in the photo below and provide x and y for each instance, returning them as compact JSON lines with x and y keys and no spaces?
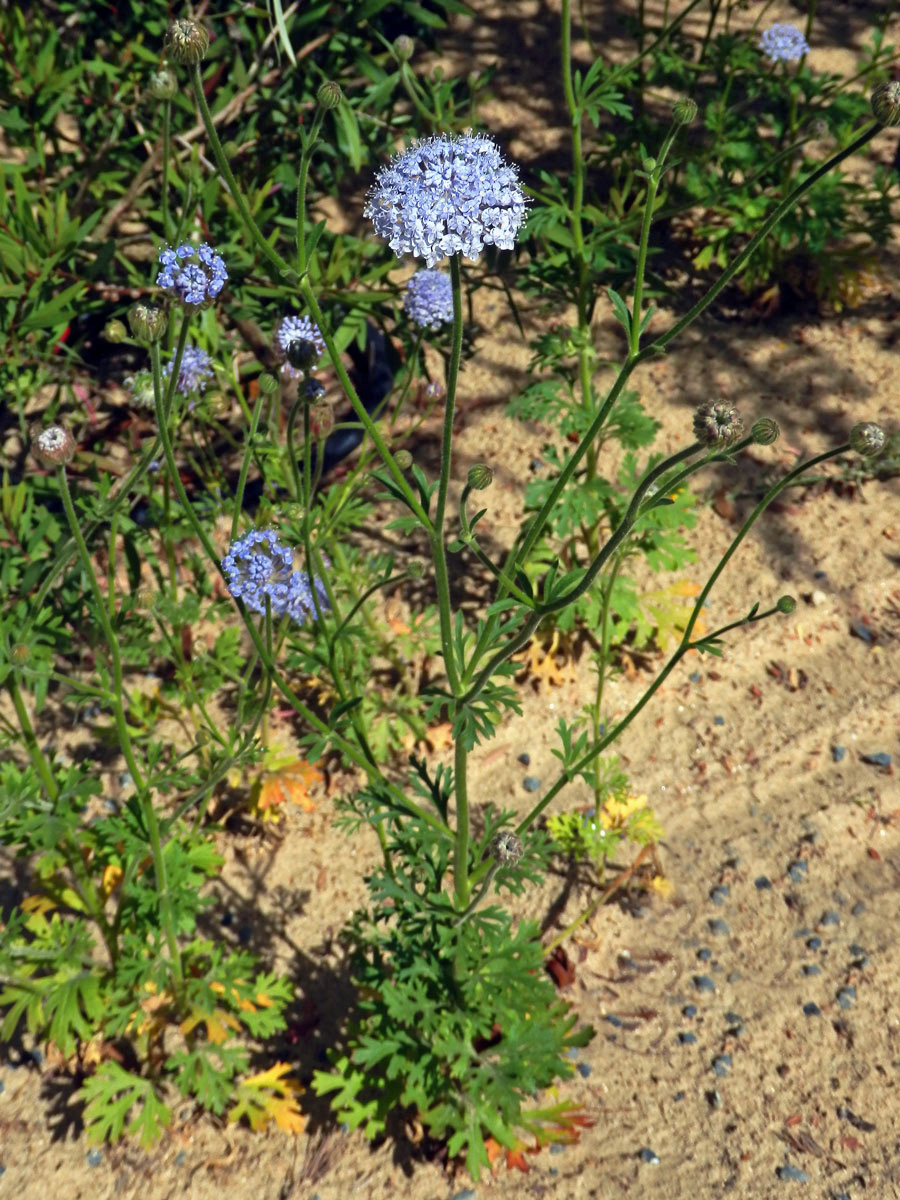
{"x":329,"y":95}
{"x":479,"y":477}
{"x":162,"y":84}
{"x":186,"y":42}
{"x":885,"y":103}
{"x":508,"y":849}
{"x":53,"y":446}
{"x":148,"y":322}
{"x":717,"y":424}
{"x":867,"y":439}
{"x":321,"y":420}
{"x":765,"y":431}
{"x":20,"y":654}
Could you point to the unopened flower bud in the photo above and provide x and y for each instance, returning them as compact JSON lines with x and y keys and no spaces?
{"x":313,"y":390}
{"x":765,"y":431}
{"x":162,"y":84}
{"x":786,"y":604}
{"x":321,"y":420}
{"x":479,"y":477}
{"x":434,"y":390}
{"x":20,"y":654}
{"x":302,"y":353}
{"x":684,"y":110}
{"x":267,"y":384}
{"x":329,"y":95}
{"x":147,"y":321}
{"x":717,"y":424}
{"x":186,"y":42}
{"x":115,"y":331}
{"x":867,"y":439}
{"x":403,"y":459}
{"x":508,"y":849}
{"x":404,"y":47}
{"x":53,"y":446}
{"x":415,"y":569}
{"x":886,"y":103}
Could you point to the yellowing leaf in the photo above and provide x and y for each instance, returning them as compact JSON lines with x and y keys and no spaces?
{"x":290,"y":781}
{"x":662,"y":886}
{"x":217,"y":1025}
{"x":270,"y":1096}
{"x":112,"y":877}
{"x":38,"y":904}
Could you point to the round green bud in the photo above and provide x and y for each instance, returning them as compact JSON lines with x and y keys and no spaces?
{"x":479,"y":477}
{"x":765,"y":431}
{"x":867,"y":439}
{"x":321,"y":419}
{"x":53,"y":446}
{"x":786,"y":604}
{"x":186,"y":42}
{"x":268,"y":384}
{"x":885,"y":103}
{"x":717,"y":424}
{"x":507,"y":848}
{"x":115,"y":331}
{"x":162,"y":84}
{"x":404,"y":47}
{"x":684,"y":111}
{"x":148,"y":322}
{"x":329,"y":95}
{"x":415,"y":569}
{"x":20,"y":654}
{"x":143,"y":393}
{"x":403,"y":459}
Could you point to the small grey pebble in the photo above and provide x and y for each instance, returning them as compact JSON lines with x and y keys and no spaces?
{"x":846,"y":997}
{"x":641,"y":911}
{"x":111,"y":806}
{"x":856,"y":948}
{"x":695,"y":677}
{"x":733,"y":977}
{"x":2,"y":1168}
{"x":704,"y":954}
{"x":763,"y":883}
{"x":678,"y":1096}
{"x":613,"y":1019}
{"x":687,"y":1039}
{"x":830,"y":918}
{"x":811,"y":969}
{"x":524,"y":759}
{"x":720,"y":894}
{"x":2,"y":1087}
{"x":718,"y":926}
{"x":877,"y":760}
{"x":798,"y":870}
{"x":94,"y":1158}
{"x":180,"y":1158}
{"x":126,"y":779}
{"x":536,"y":464}
{"x":689,"y":1010}
{"x":572,"y":1052}
{"x":466,"y":1194}
{"x":734,"y":1018}
{"x":703,"y":983}
{"x":714,"y":1098}
{"x":858,"y":908}
{"x":804,"y":932}
{"x":811,"y":1010}
{"x":530,"y":784}
{"x":556,"y":1148}
{"x":838,"y":753}
{"x":788,"y":1172}
{"x":721,"y":1064}
{"x":583,"y":1070}
{"x":648,"y":1156}
{"x":814,"y":943}
{"x":718,"y":720}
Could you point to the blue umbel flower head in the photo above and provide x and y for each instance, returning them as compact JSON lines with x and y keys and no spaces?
{"x":447,"y":195}
{"x":193,"y":275}
{"x":258,"y":568}
{"x":299,"y":329}
{"x":429,"y":299}
{"x":783,"y":43}
{"x":194,"y":372}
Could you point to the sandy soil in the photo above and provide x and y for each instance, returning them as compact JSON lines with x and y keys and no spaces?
{"x":793,"y":856}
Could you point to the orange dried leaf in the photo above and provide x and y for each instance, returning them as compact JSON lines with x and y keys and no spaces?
{"x":291,"y":782}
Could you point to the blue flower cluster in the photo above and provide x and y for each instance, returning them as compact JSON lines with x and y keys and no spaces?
{"x":192,"y":274}
{"x":258,"y":568}
{"x":429,"y":299}
{"x":783,"y":43}
{"x":194,"y":372}
{"x":447,"y":195}
{"x":299,"y":329}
